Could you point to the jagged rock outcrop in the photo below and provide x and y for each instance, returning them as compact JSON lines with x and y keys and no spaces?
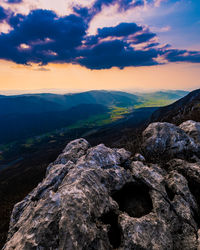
{"x":165,"y":140}
{"x":191,"y":128}
{"x":103,"y":198}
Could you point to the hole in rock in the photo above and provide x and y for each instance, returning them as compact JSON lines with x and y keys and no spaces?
{"x":114,"y":233}
{"x":134,"y":199}
{"x":170,"y":193}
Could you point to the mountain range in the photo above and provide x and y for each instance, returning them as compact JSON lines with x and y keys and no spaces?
{"x":28,"y":115}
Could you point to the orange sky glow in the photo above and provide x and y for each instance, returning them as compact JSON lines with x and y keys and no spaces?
{"x":74,"y":77}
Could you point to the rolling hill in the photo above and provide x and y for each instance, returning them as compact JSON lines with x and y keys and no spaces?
{"x":39,"y":103}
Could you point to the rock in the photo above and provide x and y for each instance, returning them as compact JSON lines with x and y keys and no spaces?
{"x":152,"y":176}
{"x":96,"y":198}
{"x":181,"y":195}
{"x":145,"y":233}
{"x":65,"y":210}
{"x":192,"y":128}
{"x":165,"y":140}
{"x":139,"y":157}
{"x":191,"y":171}
{"x":73,"y":151}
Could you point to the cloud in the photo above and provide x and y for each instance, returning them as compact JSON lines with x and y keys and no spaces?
{"x":14,"y":1}
{"x":42,"y":69}
{"x":47,"y":38}
{"x":3,"y":14}
{"x":116,"y":54}
{"x":145,"y":37}
{"x":43,"y":37}
{"x":123,"y":29}
{"x":123,"y":5}
{"x":118,"y":47}
{"x":151,"y":45}
{"x":175,"y":55}
{"x":15,"y":20}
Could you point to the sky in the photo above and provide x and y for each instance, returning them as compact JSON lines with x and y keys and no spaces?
{"x":99,"y":44}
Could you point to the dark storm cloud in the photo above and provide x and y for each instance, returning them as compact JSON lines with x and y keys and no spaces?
{"x":42,"y":37}
{"x":123,"y":29}
{"x":14,"y":1}
{"x":15,"y":20}
{"x":151,"y":45}
{"x":3,"y":14}
{"x":123,"y":5}
{"x":175,"y":55}
{"x":145,"y":37}
{"x":116,"y":54}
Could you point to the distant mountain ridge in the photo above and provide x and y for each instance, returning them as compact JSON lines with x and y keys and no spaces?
{"x":47,"y":102}
{"x":23,"y":116}
{"x":44,"y":102}
{"x":170,"y":94}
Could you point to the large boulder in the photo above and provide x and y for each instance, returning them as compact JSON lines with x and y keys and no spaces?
{"x":97,"y":198}
{"x":162,"y":140}
{"x":192,"y":128}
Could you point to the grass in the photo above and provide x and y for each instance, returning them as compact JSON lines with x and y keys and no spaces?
{"x":154,"y":102}
{"x":7,"y":146}
{"x":113,"y":115}
{"x":119,"y":112}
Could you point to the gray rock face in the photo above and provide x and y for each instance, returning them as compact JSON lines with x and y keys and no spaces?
{"x":167,"y":140}
{"x":139,"y":157}
{"x":98,"y":198}
{"x":192,"y":128}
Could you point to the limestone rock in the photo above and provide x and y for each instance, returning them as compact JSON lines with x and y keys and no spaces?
{"x":98,"y":198}
{"x":192,"y":128}
{"x":165,"y":140}
{"x":139,"y":157}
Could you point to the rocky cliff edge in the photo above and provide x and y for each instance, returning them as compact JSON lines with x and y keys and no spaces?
{"x":103,"y":198}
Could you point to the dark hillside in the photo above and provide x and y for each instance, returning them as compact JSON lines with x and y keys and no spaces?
{"x":187,"y":108}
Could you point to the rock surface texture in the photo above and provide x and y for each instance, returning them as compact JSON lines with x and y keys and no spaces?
{"x":102,"y":198}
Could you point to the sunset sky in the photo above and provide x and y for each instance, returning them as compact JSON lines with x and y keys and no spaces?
{"x":99,"y":44}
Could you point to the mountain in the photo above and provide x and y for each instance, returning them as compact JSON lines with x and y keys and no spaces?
{"x":31,"y":124}
{"x":187,"y":108}
{"x":46,"y":102}
{"x":28,"y":115}
{"x":26,"y":104}
{"x":105,"y":198}
{"x":168,"y":95}
{"x":39,"y":103}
